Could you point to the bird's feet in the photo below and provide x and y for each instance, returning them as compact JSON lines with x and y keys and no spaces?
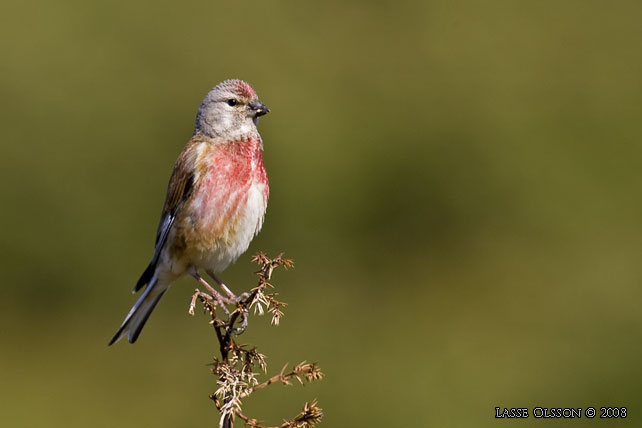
{"x":214,"y":298}
{"x":215,"y":295}
{"x":225,"y":288}
{"x":233,"y":297}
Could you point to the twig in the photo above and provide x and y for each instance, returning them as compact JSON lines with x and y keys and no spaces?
{"x":235,"y":369}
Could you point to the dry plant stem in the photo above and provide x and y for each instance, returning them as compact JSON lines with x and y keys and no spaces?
{"x":235,"y":370}
{"x":309,"y":417}
{"x":268,"y":382}
{"x":304,"y":370}
{"x":240,"y":311}
{"x":195,"y":296}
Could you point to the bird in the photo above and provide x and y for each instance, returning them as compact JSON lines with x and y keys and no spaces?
{"x":216,"y":200}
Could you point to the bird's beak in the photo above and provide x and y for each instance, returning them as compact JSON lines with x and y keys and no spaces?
{"x":259,"y":108}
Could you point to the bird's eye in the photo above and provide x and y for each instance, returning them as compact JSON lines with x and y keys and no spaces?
{"x":232,"y":102}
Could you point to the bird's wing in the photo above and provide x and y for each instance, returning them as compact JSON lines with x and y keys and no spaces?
{"x":181,"y":185}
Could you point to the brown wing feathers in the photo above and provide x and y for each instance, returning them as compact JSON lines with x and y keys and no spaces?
{"x":181,"y":184}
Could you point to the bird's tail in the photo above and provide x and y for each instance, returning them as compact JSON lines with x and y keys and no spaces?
{"x":140,"y":312}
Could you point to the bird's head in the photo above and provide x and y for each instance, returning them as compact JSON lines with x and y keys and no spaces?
{"x":231,"y":109}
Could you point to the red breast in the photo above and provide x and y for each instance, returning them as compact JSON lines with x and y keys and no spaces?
{"x":227,"y":172}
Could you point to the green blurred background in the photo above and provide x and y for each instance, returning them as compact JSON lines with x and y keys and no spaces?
{"x":458,"y":182}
